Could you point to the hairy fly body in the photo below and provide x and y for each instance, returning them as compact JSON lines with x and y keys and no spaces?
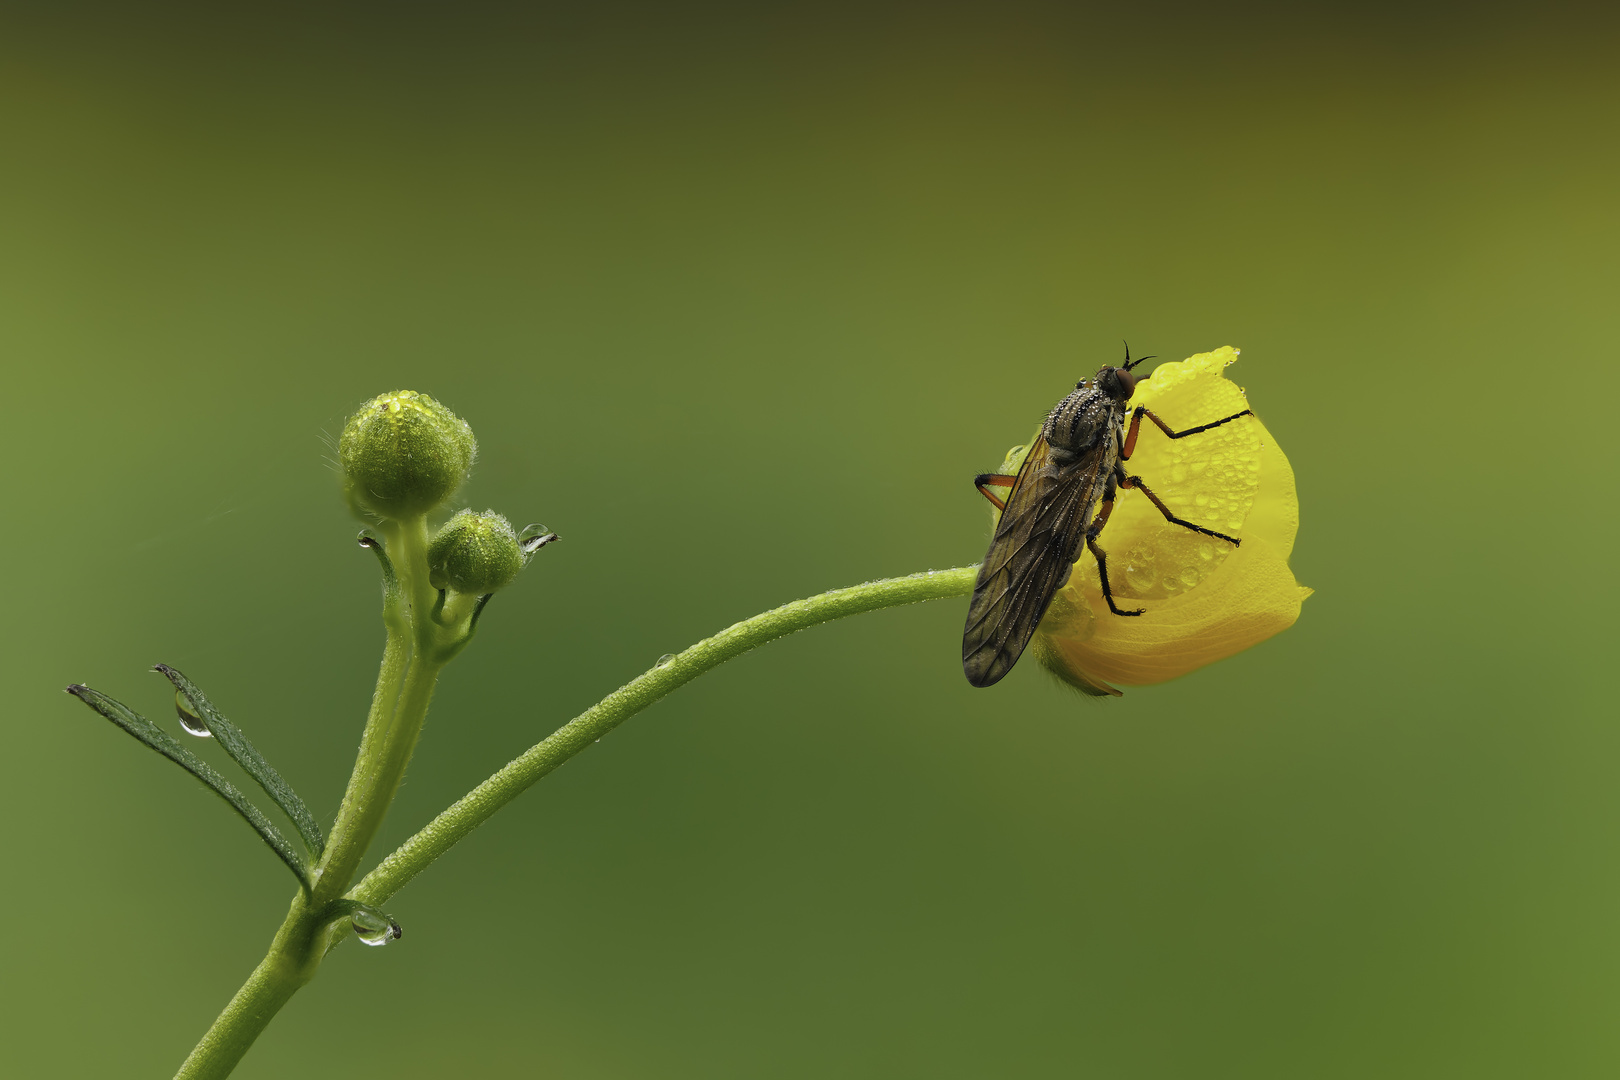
{"x":1076,"y":462}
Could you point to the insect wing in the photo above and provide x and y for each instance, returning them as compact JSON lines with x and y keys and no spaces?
{"x":1029,"y":559}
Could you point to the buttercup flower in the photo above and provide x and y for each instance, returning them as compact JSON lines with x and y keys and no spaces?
{"x":1204,"y":598}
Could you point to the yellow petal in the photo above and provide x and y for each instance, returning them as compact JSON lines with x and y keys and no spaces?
{"x":1204,"y":598}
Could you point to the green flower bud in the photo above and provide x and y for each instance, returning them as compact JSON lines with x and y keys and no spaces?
{"x":474,"y":553}
{"x":403,"y":454}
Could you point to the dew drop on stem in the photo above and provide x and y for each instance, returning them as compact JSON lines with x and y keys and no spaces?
{"x":373,"y":928}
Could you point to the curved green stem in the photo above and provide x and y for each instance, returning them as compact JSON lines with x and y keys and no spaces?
{"x":294,"y":956}
{"x":398,"y":708}
{"x":411,"y":663}
{"x":478,"y":805}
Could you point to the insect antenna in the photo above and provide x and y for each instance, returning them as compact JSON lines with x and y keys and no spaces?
{"x":1129,"y":363}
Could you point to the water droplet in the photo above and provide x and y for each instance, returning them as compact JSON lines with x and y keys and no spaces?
{"x":1189,"y":576}
{"x":665,"y":660}
{"x":189,"y":719}
{"x":1206,"y":551}
{"x":1201,"y":499}
{"x":373,"y":928}
{"x":368,"y":539}
{"x":534,"y":537}
{"x":1179,"y":473}
{"x":1142,"y":576}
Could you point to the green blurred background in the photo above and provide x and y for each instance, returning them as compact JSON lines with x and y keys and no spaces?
{"x":738,"y":298}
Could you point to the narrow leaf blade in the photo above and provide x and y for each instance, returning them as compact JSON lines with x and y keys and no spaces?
{"x":159,"y":740}
{"x":245,"y":754}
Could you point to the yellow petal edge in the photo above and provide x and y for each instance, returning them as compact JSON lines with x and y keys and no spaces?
{"x":1204,"y":599}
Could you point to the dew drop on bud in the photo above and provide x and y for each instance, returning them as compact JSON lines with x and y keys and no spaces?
{"x":373,"y":928}
{"x":665,"y":660}
{"x":189,"y":719}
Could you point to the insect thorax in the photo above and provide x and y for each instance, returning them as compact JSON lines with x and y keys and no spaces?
{"x":1082,"y":421}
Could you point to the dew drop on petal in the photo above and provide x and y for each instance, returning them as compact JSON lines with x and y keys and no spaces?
{"x":1141,"y":575}
{"x":193,"y":723}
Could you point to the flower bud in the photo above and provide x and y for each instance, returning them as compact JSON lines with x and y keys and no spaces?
{"x":474,"y":553}
{"x":403,"y":454}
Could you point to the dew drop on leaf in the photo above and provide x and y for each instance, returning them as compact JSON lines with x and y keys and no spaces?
{"x":189,"y":719}
{"x":534,"y":537}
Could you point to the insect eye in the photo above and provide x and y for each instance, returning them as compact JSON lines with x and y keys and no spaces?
{"x":1121,"y":383}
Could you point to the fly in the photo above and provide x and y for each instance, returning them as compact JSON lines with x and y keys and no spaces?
{"x":1077,"y":461}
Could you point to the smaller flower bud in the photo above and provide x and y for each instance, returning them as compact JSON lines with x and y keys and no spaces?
{"x":403,"y":454}
{"x":474,"y":553}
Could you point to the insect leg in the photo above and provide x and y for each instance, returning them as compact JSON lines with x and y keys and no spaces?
{"x":1092,"y":531}
{"x":1136,"y":482}
{"x":989,"y":480}
{"x":1143,"y":410}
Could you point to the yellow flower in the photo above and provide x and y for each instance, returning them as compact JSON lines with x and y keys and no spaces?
{"x":1205,"y":599}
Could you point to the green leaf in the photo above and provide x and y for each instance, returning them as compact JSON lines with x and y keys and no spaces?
{"x":159,"y":740}
{"x":246,"y":755}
